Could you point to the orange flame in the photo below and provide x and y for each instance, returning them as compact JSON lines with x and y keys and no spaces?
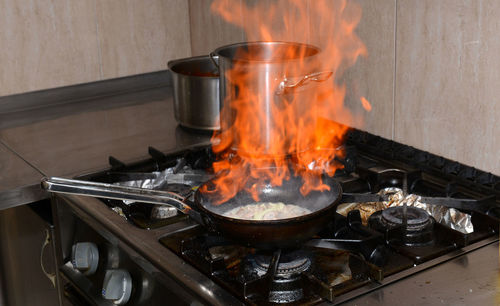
{"x":366,"y":104}
{"x":300,"y":133}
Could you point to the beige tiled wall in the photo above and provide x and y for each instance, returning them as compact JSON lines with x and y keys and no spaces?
{"x":208,"y":30}
{"x":373,"y":76}
{"x":137,"y":36}
{"x":46,"y":44}
{"x":448,"y":79}
{"x":432,"y":73}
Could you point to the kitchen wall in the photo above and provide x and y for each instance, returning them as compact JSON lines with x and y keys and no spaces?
{"x":52,"y":43}
{"x":447,"y":79}
{"x":432,"y":73}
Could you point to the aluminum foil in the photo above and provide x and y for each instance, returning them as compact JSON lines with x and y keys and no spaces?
{"x":163,"y":212}
{"x":160,"y":179}
{"x":450,"y":217}
{"x":119,"y":211}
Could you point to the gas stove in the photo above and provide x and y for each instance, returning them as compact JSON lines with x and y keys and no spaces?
{"x":362,"y":249}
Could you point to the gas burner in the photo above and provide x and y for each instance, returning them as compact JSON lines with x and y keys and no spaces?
{"x":415,"y":230}
{"x":285,"y":286}
{"x":416,"y":219}
{"x":290,"y":264}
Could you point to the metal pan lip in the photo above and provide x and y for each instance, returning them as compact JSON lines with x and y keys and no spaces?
{"x":333,"y":183}
{"x":222,"y":51}
{"x":173,"y":64}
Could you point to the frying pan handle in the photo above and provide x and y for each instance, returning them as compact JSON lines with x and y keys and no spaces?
{"x":109,"y":191}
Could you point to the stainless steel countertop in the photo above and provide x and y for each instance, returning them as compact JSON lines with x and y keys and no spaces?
{"x":18,"y":180}
{"x":470,"y":279}
{"x":76,"y":138}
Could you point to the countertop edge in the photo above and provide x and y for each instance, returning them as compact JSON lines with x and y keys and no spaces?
{"x":22,"y":195}
{"x":82,"y":92}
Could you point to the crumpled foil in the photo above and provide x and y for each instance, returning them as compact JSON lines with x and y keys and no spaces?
{"x":450,"y":217}
{"x":119,"y":211}
{"x":160,"y":179}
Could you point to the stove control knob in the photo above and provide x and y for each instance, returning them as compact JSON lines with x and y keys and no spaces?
{"x":85,"y":257}
{"x":117,"y":286}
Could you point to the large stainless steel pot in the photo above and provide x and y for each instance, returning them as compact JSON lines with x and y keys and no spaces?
{"x":196,"y":92}
{"x":272,"y":71}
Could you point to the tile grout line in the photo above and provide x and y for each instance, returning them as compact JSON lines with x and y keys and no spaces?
{"x":393,"y":127}
{"x":99,"y":52}
{"x":190,"y":29}
{"x":22,"y":158}
{"x":243,"y":32}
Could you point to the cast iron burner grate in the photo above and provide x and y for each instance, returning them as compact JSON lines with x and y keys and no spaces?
{"x":280,"y":273}
{"x":322,"y":269}
{"x":415,"y":219}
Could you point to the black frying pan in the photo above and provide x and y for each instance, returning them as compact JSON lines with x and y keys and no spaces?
{"x":267,"y":234}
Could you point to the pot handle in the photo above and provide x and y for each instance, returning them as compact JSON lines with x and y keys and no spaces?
{"x":214,"y":58}
{"x":288,"y":85}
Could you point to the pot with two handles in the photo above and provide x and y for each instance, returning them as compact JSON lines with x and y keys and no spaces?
{"x":275,"y":71}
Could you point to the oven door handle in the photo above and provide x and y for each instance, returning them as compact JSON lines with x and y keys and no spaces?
{"x":50,"y":276}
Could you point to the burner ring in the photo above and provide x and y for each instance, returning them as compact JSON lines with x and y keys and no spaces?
{"x":289,"y":264}
{"x":419,"y":229}
{"x":417,"y":218}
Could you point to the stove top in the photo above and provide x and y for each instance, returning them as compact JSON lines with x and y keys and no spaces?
{"x":360,"y":247}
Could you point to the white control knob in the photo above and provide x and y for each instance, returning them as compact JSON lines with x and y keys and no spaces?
{"x":85,"y":257}
{"x":117,"y":286}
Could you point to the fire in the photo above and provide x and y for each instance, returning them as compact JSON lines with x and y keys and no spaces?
{"x":366,"y":104}
{"x":299,"y":132}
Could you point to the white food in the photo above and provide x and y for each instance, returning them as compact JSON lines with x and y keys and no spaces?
{"x":267,"y":211}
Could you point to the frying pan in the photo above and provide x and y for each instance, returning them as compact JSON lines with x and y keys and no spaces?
{"x":266,"y":234}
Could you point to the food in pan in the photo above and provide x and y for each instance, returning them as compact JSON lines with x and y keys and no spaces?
{"x":267,"y":211}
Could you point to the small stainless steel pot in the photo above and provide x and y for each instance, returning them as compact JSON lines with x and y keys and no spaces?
{"x":196,"y":92}
{"x":266,"y":68}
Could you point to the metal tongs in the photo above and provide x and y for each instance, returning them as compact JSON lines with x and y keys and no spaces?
{"x":110,"y":191}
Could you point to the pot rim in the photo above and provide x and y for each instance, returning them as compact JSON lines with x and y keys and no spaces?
{"x":219,"y":51}
{"x":171,"y":65}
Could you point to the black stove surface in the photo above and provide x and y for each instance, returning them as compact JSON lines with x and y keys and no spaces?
{"x":348,"y":254}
